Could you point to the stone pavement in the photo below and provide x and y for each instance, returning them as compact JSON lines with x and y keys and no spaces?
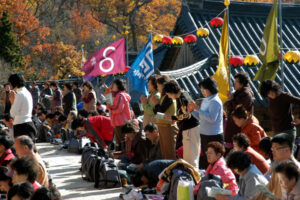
{"x":64,"y":168}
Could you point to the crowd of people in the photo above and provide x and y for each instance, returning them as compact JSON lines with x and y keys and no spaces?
{"x":222,"y":139}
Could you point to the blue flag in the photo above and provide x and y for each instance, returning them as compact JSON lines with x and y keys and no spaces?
{"x":142,"y":68}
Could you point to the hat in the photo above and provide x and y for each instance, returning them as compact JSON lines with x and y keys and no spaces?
{"x":4,"y":174}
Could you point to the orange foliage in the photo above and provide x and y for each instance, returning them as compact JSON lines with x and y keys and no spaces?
{"x":84,"y":25}
{"x":26,"y":25}
{"x":135,"y":16}
{"x":64,"y":59}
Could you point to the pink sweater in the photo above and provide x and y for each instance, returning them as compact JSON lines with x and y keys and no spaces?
{"x":227,"y":176}
{"x":120,"y":110}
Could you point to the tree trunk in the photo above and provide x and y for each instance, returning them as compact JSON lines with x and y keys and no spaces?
{"x":134,"y":38}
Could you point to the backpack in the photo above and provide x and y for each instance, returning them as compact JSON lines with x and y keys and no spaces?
{"x":209,"y":180}
{"x":89,"y":158}
{"x":106,"y":172}
{"x":88,"y":149}
{"x":44,"y":134}
{"x":181,"y":186}
{"x":76,"y":145}
{"x":66,"y":135}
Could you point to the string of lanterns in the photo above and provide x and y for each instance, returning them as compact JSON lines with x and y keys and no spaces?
{"x":189,"y":38}
{"x":290,"y":57}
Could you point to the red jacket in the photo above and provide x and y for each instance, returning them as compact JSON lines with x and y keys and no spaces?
{"x":102,"y":126}
{"x":6,"y":157}
{"x":227,"y":176}
{"x":254,"y":132}
{"x":257,"y":160}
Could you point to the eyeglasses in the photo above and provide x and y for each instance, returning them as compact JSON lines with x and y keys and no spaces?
{"x":278,"y":148}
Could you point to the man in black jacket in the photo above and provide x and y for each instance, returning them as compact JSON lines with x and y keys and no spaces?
{"x":69,"y":99}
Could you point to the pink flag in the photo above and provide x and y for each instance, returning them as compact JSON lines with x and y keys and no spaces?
{"x":108,"y":60}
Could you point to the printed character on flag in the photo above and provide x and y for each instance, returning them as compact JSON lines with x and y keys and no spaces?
{"x":108,"y":60}
{"x":142,"y":68}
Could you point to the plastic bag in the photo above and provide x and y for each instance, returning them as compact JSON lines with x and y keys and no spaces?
{"x":184,"y":191}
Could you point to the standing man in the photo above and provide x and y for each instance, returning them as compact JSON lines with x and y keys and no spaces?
{"x":46,"y":95}
{"x":35,"y":93}
{"x":77,"y":91}
{"x":101,"y":90}
{"x":5,"y":98}
{"x":21,"y":109}
{"x":56,"y":99}
{"x":280,"y":108}
{"x":69,"y":99}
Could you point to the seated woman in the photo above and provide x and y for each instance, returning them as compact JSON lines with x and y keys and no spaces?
{"x":148,"y":176}
{"x":217,"y":166}
{"x":5,"y":181}
{"x":25,"y":169}
{"x":249,"y":126}
{"x":250,"y":176}
{"x":289,"y":176}
{"x":46,"y":193}
{"x":265,"y":147}
{"x":22,"y":190}
{"x":242,"y":143}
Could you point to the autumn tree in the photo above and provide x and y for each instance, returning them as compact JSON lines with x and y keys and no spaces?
{"x":60,"y":59}
{"x":27,"y":27}
{"x":10,"y":48}
{"x":135,"y":16}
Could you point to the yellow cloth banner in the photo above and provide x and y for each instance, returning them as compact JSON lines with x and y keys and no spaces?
{"x":222,"y":73}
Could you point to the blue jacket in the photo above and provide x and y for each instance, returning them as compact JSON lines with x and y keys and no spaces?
{"x":248,"y":184}
{"x":210,"y":115}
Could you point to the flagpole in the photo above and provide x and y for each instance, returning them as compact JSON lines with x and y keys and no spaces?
{"x":281,"y":46}
{"x":127,"y":61}
{"x":227,"y":3}
{"x":228,"y":24}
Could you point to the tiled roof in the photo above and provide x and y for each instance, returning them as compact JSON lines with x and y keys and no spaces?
{"x":247,"y":21}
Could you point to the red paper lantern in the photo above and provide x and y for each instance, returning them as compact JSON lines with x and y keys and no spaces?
{"x":167,"y":40}
{"x":190,"y":39}
{"x":216,"y":22}
{"x":236,"y":61}
{"x":126,"y":69}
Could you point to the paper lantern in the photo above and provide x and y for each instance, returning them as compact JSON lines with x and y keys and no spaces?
{"x":190,"y":39}
{"x":292,"y":57}
{"x":216,"y":22}
{"x":167,"y":41}
{"x":236,"y":61}
{"x":202,"y":32}
{"x":251,"y":61}
{"x":177,"y":41}
{"x":158,"y":39}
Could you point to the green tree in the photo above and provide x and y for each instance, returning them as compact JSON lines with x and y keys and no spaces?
{"x":10,"y":47}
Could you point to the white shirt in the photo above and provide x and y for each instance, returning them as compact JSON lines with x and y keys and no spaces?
{"x":21,"y":109}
